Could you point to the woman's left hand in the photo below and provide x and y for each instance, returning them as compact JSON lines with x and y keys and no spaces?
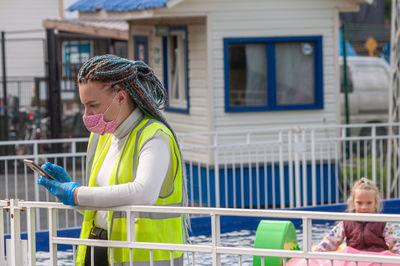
{"x":63,"y":191}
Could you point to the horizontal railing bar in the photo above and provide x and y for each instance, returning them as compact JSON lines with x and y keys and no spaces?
{"x":304,"y":254}
{"x":229,"y":212}
{"x":136,"y":245}
{"x":232,"y":145}
{"x":227,"y":250}
{"x":43,"y":141}
{"x":219,"y":133}
{"x":193,"y":147}
{"x":47,"y":155}
{"x":304,"y":127}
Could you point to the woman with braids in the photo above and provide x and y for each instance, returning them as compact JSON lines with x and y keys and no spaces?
{"x":133,"y":158}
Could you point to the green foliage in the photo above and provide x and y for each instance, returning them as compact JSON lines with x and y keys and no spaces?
{"x":388,"y":10}
{"x":364,"y":166}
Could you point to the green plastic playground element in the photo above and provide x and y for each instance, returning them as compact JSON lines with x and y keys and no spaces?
{"x":274,"y":235}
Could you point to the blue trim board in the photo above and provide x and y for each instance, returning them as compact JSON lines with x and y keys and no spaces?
{"x":42,"y":238}
{"x":271,"y":73}
{"x":203,"y":180}
{"x":202,"y":225}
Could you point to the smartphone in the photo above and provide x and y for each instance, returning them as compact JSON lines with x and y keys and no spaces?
{"x":38,"y":169}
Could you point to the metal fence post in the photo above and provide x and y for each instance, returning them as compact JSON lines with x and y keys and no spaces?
{"x":281,"y":172}
{"x":290,"y":165}
{"x":16,"y":255}
{"x":31,"y":237}
{"x":307,"y":239}
{"x":4,"y":78}
{"x":215,"y":238}
{"x":313,"y":169}
{"x":297,"y":168}
{"x":2,"y":255}
{"x":52,"y":233}
{"x":216,"y":172}
{"x":36,"y":159}
{"x":373,"y":155}
{"x":54,"y":94}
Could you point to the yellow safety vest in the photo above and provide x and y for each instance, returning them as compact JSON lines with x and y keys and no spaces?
{"x":150,"y":227}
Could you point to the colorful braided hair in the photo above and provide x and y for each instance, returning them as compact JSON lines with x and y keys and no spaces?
{"x":135,"y":77}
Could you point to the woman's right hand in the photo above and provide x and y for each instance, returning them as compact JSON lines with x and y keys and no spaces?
{"x":57,"y":172}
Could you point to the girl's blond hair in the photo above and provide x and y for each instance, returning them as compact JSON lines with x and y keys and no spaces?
{"x":365,"y":184}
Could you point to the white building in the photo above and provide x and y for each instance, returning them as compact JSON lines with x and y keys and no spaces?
{"x":25,"y":43}
{"x":241,"y":65}
{"x":230,"y":65}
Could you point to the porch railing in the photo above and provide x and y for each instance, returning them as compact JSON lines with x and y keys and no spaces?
{"x":279,"y":168}
{"x":21,"y":251}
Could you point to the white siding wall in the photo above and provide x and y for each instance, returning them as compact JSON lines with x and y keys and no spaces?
{"x":25,"y":51}
{"x":295,"y":21}
{"x":197,"y":119}
{"x":25,"y":58}
{"x":260,"y":18}
{"x":252,"y":18}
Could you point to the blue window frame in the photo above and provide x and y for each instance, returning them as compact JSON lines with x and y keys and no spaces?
{"x":175,"y":63}
{"x":273,"y":74}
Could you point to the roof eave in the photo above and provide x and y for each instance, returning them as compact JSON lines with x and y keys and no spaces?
{"x":84,"y":29}
{"x":352,"y":5}
{"x":173,"y":3}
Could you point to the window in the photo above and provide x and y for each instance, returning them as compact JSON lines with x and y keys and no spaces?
{"x":267,"y":74}
{"x":74,"y":54}
{"x":175,"y":70}
{"x":141,"y":48}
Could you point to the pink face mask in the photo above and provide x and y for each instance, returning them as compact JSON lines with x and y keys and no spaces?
{"x":97,"y":124}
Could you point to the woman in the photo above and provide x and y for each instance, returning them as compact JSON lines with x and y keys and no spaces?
{"x":133,"y":158}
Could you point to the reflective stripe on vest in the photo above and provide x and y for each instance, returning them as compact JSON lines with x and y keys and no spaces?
{"x":150,"y":227}
{"x":177,"y":262}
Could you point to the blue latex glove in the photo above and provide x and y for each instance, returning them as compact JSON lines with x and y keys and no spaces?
{"x":63,"y":191}
{"x":57,"y":172}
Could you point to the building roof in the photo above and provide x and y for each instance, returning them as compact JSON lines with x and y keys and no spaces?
{"x":115,"y":29}
{"x":132,"y":5}
{"x":116,"y":5}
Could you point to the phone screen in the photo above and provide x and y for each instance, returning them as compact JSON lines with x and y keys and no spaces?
{"x":38,"y":169}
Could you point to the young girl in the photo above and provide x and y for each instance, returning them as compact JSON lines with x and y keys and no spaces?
{"x":367,"y":236}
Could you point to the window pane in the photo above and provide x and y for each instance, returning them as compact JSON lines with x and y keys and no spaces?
{"x":247,"y":75}
{"x":177,"y":74}
{"x":173,"y":66}
{"x":294,"y":73}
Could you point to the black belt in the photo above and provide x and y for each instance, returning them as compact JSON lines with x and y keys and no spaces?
{"x":99,"y":233}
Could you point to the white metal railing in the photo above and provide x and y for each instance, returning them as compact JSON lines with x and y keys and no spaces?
{"x":215,"y":248}
{"x":269,"y":168}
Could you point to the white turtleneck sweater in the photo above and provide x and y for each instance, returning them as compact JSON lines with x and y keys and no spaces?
{"x":154,"y":162}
